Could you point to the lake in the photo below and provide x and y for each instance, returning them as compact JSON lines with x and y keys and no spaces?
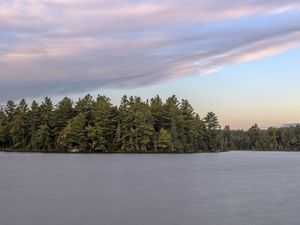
{"x":233,"y":188}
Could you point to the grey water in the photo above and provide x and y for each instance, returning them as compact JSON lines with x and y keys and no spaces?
{"x":233,"y":188}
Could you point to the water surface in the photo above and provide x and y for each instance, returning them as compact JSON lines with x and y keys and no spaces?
{"x":234,"y":188}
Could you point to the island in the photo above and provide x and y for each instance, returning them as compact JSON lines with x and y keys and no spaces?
{"x":134,"y":126}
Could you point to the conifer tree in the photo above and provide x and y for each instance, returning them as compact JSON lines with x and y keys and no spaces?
{"x":212,"y":128}
{"x":135,"y":126}
{"x":102,"y":134}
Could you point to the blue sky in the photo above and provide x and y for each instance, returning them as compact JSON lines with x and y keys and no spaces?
{"x":264,"y":91}
{"x":236,"y":58}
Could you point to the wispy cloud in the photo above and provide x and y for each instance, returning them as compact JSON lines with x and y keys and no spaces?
{"x":59,"y":46}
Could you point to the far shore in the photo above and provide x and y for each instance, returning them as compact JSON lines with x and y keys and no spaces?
{"x":60,"y":152}
{"x":124,"y":153}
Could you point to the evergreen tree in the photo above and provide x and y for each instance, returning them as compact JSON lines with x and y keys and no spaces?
{"x":19,"y":126}
{"x":103,"y":132}
{"x":43,"y":138}
{"x":62,"y":114}
{"x":86,"y":106}
{"x":134,"y":126}
{"x":157,"y":113}
{"x":74,"y":135}
{"x":226,"y":142}
{"x":163,"y":141}
{"x":212,"y":125}
{"x":200,"y":135}
{"x":34,"y":116}
{"x":3,"y":130}
{"x":172,"y":120}
{"x":187,"y":126}
{"x":254,"y":134}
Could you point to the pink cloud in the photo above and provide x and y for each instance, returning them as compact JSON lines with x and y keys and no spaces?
{"x":93,"y":43}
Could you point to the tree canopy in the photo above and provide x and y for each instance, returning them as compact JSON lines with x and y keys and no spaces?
{"x":135,"y":126}
{"x":96,"y":125}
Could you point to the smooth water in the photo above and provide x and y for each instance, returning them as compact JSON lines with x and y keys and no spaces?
{"x":234,"y":188}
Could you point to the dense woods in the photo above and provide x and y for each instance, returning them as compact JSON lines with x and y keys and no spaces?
{"x":135,"y":126}
{"x":281,"y":139}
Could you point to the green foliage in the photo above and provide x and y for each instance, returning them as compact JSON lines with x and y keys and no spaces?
{"x":18,"y":125}
{"x":172,"y":122}
{"x":103,"y":130}
{"x":275,"y":139}
{"x":3,"y":130}
{"x":213,"y":135}
{"x":136,"y":130}
{"x":227,"y":139}
{"x":135,"y":126}
{"x":41,"y":139}
{"x":254,"y":135}
{"x":62,"y":114}
{"x":163,"y":140}
{"x":74,"y":135}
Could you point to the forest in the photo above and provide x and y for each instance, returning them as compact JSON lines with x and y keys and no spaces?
{"x":135,"y":126}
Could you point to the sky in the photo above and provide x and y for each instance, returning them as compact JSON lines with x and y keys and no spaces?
{"x":239,"y":59}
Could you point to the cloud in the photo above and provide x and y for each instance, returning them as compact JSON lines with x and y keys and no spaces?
{"x":50,"y":47}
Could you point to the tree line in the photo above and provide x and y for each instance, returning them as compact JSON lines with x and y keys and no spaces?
{"x":135,"y":126}
{"x":95,"y":125}
{"x":280,"y":139}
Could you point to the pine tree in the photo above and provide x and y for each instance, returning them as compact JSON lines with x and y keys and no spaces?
{"x":62,"y":114}
{"x":212,"y":127}
{"x":86,"y":106}
{"x":43,"y":138}
{"x":134,"y":126}
{"x":187,"y":126}
{"x":227,"y":143}
{"x":254,"y":134}
{"x":164,"y":140}
{"x":34,"y":116}
{"x":199,"y":133}
{"x":3,"y":130}
{"x":171,"y":122}
{"x":19,"y":126}
{"x":74,"y":135}
{"x":103,"y":132}
{"x":157,"y":113}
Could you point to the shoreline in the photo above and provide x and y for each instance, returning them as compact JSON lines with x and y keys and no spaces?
{"x":59,"y":152}
{"x":124,"y":153}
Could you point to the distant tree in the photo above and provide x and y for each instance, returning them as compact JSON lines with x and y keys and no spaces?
{"x":200,"y":135}
{"x":163,"y":141}
{"x":74,"y":135}
{"x":268,"y":139}
{"x":226,"y":142}
{"x":3,"y":130}
{"x":187,"y":127}
{"x":34,"y":116}
{"x":157,"y":113}
{"x":10,"y":110}
{"x":62,"y":114}
{"x":44,"y":137}
{"x":19,"y":126}
{"x":102,"y":133}
{"x":135,"y":126}
{"x":172,"y":120}
{"x":212,"y":127}
{"x":254,"y":134}
{"x":86,"y":106}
